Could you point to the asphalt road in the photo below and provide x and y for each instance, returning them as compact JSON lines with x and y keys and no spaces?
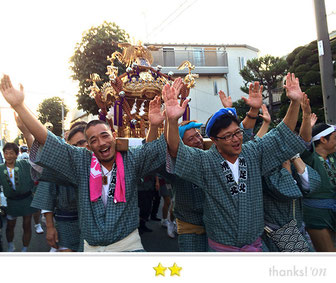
{"x":156,"y":241}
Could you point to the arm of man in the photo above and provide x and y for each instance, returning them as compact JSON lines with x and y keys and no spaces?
{"x":255,"y":102}
{"x":266,"y":121}
{"x":155,"y":117}
{"x":281,"y":185}
{"x":306,"y":128}
{"x":52,"y":235}
{"x":294,"y":93}
{"x":16,"y":99}
{"x":173,"y":112}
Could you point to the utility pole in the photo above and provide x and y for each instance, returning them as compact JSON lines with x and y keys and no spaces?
{"x":325,"y":61}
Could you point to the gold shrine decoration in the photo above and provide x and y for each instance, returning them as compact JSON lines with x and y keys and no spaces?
{"x":131,"y":53}
{"x":123,"y":101}
{"x":190,"y":78}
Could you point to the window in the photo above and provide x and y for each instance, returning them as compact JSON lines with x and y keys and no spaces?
{"x":168,"y":57}
{"x":199,"y":59}
{"x":215,"y":88}
{"x":241,"y":63}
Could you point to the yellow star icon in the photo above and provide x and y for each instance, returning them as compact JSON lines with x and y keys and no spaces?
{"x":160,"y":270}
{"x":175,"y":270}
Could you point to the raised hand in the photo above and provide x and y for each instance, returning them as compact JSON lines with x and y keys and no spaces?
{"x":305,"y":105}
{"x":313,"y":119}
{"x":155,"y":115}
{"x":255,"y":96}
{"x":20,"y":124}
{"x":292,"y":86}
{"x":226,"y":100}
{"x":13,"y":96}
{"x":178,"y":84}
{"x":265,"y":114}
{"x":173,"y":109}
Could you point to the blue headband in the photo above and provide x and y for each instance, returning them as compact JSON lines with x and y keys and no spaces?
{"x":219,"y":113}
{"x":191,"y":125}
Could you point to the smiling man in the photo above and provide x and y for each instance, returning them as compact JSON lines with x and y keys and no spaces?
{"x":230,"y":172}
{"x":106,"y":179}
{"x":17,"y":186}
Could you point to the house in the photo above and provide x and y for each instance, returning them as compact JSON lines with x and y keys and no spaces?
{"x":218,"y":67}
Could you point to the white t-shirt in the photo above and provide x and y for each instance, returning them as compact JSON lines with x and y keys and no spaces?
{"x":235,"y":169}
{"x":11,"y":170}
{"x":105,"y":188}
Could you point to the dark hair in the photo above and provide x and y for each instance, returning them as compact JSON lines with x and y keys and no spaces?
{"x":94,"y":123}
{"x":78,"y":123}
{"x":221,"y":123}
{"x":75,"y":130}
{"x":11,"y":146}
{"x":318,"y":128}
{"x":23,"y":148}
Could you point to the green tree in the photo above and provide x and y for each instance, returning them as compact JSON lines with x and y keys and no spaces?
{"x":304,"y":63}
{"x":50,"y":110}
{"x":91,"y":57}
{"x":268,"y":71}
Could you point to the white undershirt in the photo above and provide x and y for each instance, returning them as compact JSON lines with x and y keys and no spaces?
{"x":304,"y":179}
{"x":105,"y":188}
{"x":13,"y":176}
{"x":235,"y":169}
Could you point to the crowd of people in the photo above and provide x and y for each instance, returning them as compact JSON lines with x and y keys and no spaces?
{"x":274,"y":191}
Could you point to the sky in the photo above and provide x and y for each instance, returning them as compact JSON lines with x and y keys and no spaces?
{"x":39,"y":37}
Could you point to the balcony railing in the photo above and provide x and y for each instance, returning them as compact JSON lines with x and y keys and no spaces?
{"x":202,"y":58}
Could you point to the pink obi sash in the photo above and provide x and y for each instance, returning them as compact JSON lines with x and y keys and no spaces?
{"x":254,"y":247}
{"x":96,"y":180}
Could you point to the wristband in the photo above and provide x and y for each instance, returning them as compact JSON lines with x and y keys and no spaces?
{"x":295,"y":157}
{"x":251,"y":117}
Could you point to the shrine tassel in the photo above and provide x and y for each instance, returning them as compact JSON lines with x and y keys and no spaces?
{"x":118,"y":113}
{"x":186,"y":114}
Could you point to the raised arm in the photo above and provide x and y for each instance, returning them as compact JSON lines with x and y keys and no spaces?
{"x":294,"y":93}
{"x":155,"y":118}
{"x":16,"y":99}
{"x":306,"y":128}
{"x":254,"y":100}
{"x":226,"y":100}
{"x":266,"y":121}
{"x":173,"y":112}
{"x":26,"y":134}
{"x":313,"y":119}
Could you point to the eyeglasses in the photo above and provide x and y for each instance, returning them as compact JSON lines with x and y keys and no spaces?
{"x":229,"y":137}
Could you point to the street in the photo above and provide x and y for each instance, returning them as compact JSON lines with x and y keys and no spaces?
{"x":156,"y":241}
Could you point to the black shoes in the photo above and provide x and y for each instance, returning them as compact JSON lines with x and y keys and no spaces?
{"x":143,"y":228}
{"x":154,"y":218}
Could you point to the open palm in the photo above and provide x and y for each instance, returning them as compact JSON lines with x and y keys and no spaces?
{"x":292,"y":87}
{"x":155,"y":115}
{"x":13,"y":96}
{"x":173,"y":109}
{"x":254,"y":99}
{"x":226,"y":100}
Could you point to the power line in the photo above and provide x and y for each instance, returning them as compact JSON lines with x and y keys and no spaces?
{"x":162,"y":28}
{"x":167,"y":18}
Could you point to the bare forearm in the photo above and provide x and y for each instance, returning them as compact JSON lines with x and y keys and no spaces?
{"x":29,"y":138}
{"x":263,"y":129}
{"x":33,"y":125}
{"x":49,"y":219}
{"x":306,"y":129}
{"x":299,"y":165}
{"x":173,"y":137}
{"x":152,"y":133}
{"x":248,"y":122}
{"x":292,"y":115}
